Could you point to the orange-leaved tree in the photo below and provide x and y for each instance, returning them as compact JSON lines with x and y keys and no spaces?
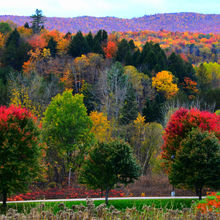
{"x":111,"y":49}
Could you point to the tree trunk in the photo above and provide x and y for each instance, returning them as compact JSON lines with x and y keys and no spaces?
{"x":69,"y":179}
{"x":4,"y":198}
{"x":200,"y":193}
{"x":56,"y":175}
{"x":106,"y":196}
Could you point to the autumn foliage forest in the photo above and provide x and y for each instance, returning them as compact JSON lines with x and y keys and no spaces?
{"x":131,"y":83}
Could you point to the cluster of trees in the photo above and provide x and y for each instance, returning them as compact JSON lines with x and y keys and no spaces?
{"x":65,"y":140}
{"x":114,"y":91}
{"x":191,"y":149}
{"x":193,"y":47}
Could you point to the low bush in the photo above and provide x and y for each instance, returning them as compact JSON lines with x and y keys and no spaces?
{"x":210,"y":204}
{"x":64,"y":193}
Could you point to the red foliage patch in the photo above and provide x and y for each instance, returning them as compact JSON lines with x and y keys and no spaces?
{"x":65,"y":193}
{"x":12,"y":112}
{"x":181,"y":123}
{"x":210,"y":204}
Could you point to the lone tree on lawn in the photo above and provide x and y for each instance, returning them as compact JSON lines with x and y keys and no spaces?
{"x":107,"y":165}
{"x":179,"y":148}
{"x":197,"y":162}
{"x":20,"y":150}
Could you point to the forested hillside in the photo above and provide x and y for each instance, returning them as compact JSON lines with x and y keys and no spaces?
{"x":192,"y":22}
{"x":84,"y":89}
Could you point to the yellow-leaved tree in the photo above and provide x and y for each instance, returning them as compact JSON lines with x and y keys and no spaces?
{"x":101,"y":126}
{"x":163,"y":82}
{"x":20,"y":97}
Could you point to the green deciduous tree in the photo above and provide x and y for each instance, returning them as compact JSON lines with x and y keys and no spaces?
{"x":19,"y":150}
{"x":197,"y":163}
{"x":109,"y":164}
{"x":67,"y":128}
{"x":4,"y":27}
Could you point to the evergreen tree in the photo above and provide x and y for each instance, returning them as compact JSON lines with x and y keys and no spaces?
{"x":67,"y":36}
{"x":131,"y":45}
{"x":97,"y":48}
{"x":104,"y":36}
{"x":129,"y":110}
{"x":37,"y":21}
{"x":101,"y":36}
{"x":153,"y":109}
{"x":128,"y":58}
{"x":179,"y":68}
{"x":98,"y":36}
{"x":26,"y":25}
{"x":152,"y":59}
{"x":136,"y":58}
{"x":13,"y":38}
{"x":123,"y":48}
{"x":52,"y":45}
{"x":78,"y":45}
{"x":90,"y":41}
{"x":15,"y":52}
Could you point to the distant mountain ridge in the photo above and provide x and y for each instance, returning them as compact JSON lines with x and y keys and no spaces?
{"x":192,"y":22}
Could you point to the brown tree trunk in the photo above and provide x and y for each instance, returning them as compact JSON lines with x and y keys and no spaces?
{"x":4,"y":198}
{"x":106,"y":196}
{"x":200,"y":193}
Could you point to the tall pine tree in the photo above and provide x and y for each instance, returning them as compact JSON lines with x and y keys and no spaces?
{"x":78,"y":45}
{"x":129,"y":110}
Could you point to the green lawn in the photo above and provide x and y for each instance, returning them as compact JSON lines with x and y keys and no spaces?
{"x":118,"y":204}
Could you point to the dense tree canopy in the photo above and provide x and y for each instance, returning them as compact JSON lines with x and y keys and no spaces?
{"x":197,"y":162}
{"x":67,"y":128}
{"x":109,"y":164}
{"x":20,"y":150}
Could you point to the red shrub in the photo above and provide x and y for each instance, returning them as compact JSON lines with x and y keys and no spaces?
{"x":210,"y":204}
{"x":65,"y":193}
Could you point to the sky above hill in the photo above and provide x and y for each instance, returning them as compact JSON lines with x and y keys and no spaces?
{"x":117,"y":8}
